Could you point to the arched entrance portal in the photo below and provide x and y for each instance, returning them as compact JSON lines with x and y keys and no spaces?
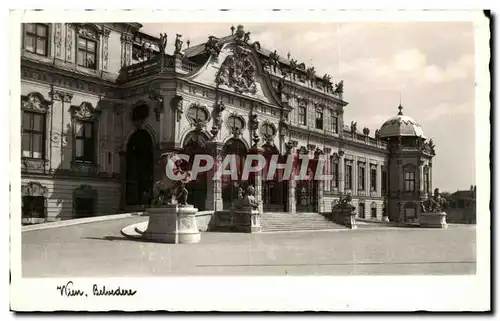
{"x":140,"y":168}
{"x":274,"y":189}
{"x":306,"y":189}
{"x":230,"y":185}
{"x":195,"y":144}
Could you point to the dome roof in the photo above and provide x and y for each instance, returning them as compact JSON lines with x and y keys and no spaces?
{"x":401,"y":125}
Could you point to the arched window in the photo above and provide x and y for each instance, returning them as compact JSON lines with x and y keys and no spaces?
{"x":335,"y":122}
{"x":373,"y":210}
{"x":427,"y":185}
{"x":319,"y":118}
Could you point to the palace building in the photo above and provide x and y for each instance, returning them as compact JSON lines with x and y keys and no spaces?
{"x":101,"y":102}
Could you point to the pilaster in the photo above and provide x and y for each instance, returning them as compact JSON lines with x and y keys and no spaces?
{"x":214,"y":184}
{"x":341,"y":174}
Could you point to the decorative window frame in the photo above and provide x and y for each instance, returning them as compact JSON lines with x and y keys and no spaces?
{"x":35,"y":189}
{"x":86,"y":192}
{"x":36,"y":103}
{"x":350,"y":163}
{"x":87,"y":113}
{"x":198,"y":125}
{"x":50,"y":36}
{"x":427,"y":175}
{"x":268,"y":138}
{"x":334,"y":161}
{"x":235,"y":132}
{"x":93,"y":32}
{"x":361,"y":164}
{"x":373,"y":205}
{"x":373,"y":167}
{"x":410,"y":168}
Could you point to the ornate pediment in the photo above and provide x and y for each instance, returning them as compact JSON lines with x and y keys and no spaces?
{"x":35,"y":102}
{"x":85,"y":111}
{"x":238,"y":72}
{"x":33,"y":189}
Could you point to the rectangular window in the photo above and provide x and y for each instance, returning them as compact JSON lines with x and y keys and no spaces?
{"x":87,"y":53}
{"x":409,"y":181}
{"x":84,"y":207}
{"x":361,"y":210}
{"x":361,"y":178}
{"x":302,"y":115}
{"x":335,"y":175}
{"x":85,"y":143}
{"x":373,"y":179}
{"x":335,"y":123}
{"x":384,"y":180}
{"x":348,"y":176}
{"x":374,"y":212}
{"x":33,"y":135}
{"x":36,"y":38}
{"x":426,"y":181}
{"x":319,"y":119}
{"x":33,"y":207}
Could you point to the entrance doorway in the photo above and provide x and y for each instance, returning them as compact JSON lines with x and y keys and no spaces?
{"x":195,"y":144}
{"x":274,"y":189}
{"x":139,"y":168}
{"x":306,"y":190}
{"x":230,"y":184}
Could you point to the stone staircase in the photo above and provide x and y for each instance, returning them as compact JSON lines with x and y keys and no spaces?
{"x":272,"y":222}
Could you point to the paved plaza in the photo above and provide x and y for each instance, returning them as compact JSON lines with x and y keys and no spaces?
{"x":99,"y":249}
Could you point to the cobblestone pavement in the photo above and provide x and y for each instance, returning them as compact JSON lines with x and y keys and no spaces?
{"x":99,"y":249}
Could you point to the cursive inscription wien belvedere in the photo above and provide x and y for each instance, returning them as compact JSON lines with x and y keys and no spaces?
{"x":69,"y":290}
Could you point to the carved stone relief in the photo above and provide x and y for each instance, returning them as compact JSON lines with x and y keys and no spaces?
{"x":35,"y":102}
{"x":33,"y":189}
{"x":238,"y":72}
{"x":105,"y":49}
{"x":58,"y":39}
{"x":84,"y":112}
{"x":69,"y":42}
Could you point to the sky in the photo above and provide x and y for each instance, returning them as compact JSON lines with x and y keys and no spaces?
{"x":428,"y":65}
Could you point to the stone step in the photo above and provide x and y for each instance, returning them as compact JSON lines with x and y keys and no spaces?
{"x":272,"y":222}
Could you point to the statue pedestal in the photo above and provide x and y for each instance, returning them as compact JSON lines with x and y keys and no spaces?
{"x":433,"y":219}
{"x":245,"y":220}
{"x":344,"y":216}
{"x":172,"y":224}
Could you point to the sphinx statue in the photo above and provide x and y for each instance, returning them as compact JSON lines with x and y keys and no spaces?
{"x":247,"y":201}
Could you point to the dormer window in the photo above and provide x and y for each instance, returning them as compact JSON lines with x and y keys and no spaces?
{"x":36,"y":38}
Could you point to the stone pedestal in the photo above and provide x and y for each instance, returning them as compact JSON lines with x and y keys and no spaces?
{"x":433,"y":219}
{"x":345,"y":217}
{"x":385,"y":218}
{"x":172,"y":224}
{"x":236,"y":220}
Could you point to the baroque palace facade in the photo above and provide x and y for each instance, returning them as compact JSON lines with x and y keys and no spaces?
{"x":101,"y":102}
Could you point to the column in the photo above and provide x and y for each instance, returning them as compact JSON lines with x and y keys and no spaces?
{"x":258,"y":179}
{"x":379,"y":180}
{"x":341,"y":173}
{"x":214,"y":184}
{"x":321,"y":186}
{"x":421,"y":178}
